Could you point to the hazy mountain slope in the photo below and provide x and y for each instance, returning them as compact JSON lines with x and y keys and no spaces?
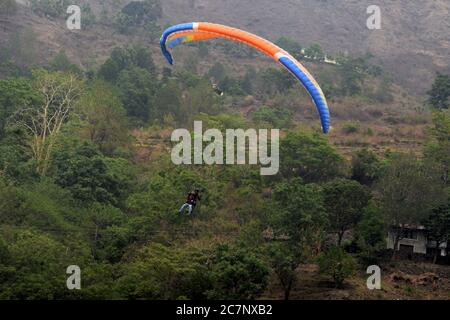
{"x":414,"y":41}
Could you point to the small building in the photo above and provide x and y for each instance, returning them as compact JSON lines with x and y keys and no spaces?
{"x":415,"y":242}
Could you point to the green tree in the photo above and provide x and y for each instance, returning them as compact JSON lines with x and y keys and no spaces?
{"x":353,"y":72}
{"x":109,"y":233}
{"x":284,"y":261}
{"x":137,"y":88}
{"x":310,"y":157}
{"x":37,"y":265}
{"x":366,"y":167}
{"x":237,"y":273}
{"x":276,"y":117}
{"x":199,"y":98}
{"x":438,"y":227}
{"x":99,"y":281}
{"x":290,"y":46}
{"x":275,"y":80}
{"x":41,"y":206}
{"x":217,"y":71}
{"x":337,"y":264}
{"x":408,"y":189}
{"x":315,"y":52}
{"x":161,"y":272}
{"x":247,"y":81}
{"x":297,"y":217}
{"x":10,"y":199}
{"x":370,"y":234}
{"x":123,"y":23}
{"x":439,"y":94}
{"x":104,"y":116}
{"x":62,"y":63}
{"x":438,"y":146}
{"x":168,"y":102}
{"x":126,"y":58}
{"x":231,"y":86}
{"x":15,"y":157}
{"x":15,"y":93}
{"x":344,"y":201}
{"x":43,"y":122}
{"x":6,"y":270}
{"x":85,"y":173}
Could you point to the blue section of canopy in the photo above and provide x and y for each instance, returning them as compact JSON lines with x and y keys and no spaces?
{"x":313,"y":91}
{"x":173,"y":43}
{"x":168,"y":32}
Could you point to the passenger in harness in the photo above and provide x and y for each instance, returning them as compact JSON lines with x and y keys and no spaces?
{"x":191,"y":201}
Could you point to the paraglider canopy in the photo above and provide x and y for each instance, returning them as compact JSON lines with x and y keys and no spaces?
{"x":196,"y":31}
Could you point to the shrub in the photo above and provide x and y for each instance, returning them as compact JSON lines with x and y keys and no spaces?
{"x":351,"y":127}
{"x":276,"y":117}
{"x":337,"y":264}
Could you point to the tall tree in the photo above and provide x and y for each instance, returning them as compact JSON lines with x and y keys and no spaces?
{"x":439,"y":94}
{"x":284,"y":261}
{"x":59,"y":93}
{"x":168,"y":102}
{"x":104,"y":115}
{"x":370,"y":234}
{"x":438,"y":146}
{"x":297,"y":218}
{"x":344,"y":201}
{"x":438,"y":227}
{"x":366,"y":167}
{"x":237,"y":273}
{"x":310,"y":157}
{"x":408,"y":189}
{"x":85,"y":172}
{"x":137,"y":88}
{"x":15,"y":93}
{"x":126,"y":58}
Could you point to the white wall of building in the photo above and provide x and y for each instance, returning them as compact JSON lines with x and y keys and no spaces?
{"x":419,"y":244}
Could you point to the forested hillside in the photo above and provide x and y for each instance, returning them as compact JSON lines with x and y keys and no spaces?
{"x":86,"y":176}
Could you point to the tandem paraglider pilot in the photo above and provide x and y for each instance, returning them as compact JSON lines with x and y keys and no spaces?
{"x":191,"y":201}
